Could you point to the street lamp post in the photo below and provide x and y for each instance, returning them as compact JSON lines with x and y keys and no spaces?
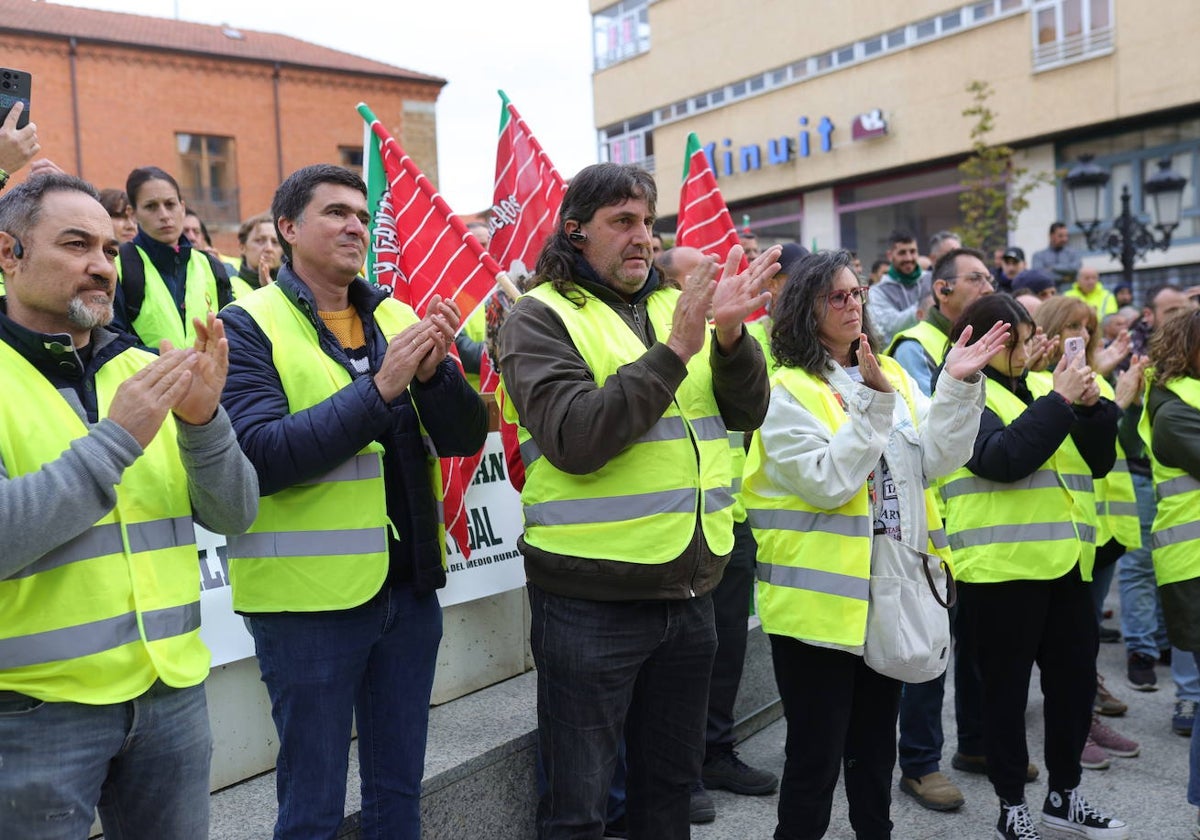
{"x":1128,"y":239}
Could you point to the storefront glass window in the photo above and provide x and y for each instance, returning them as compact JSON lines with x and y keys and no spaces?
{"x":923,"y":203}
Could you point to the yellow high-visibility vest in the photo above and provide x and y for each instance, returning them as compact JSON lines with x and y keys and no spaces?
{"x":101,"y":617}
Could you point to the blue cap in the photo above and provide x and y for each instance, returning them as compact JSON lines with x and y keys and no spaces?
{"x":792,"y":254}
{"x":1034,"y":279}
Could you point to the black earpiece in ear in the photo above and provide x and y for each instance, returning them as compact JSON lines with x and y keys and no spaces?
{"x":18,"y":248}
{"x":577,"y":236}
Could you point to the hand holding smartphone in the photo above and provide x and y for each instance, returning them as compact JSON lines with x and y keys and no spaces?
{"x":1073,"y":350}
{"x":15,"y":86}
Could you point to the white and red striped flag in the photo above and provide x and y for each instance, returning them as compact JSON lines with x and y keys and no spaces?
{"x":418,"y":248}
{"x":527,"y":196}
{"x":704,"y":220}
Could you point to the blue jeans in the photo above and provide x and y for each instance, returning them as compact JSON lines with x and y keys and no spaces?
{"x":373,"y":663}
{"x":1141,"y":613}
{"x":1193,"y":793}
{"x":1183,"y":672}
{"x":144,"y":763}
{"x":607,"y":667}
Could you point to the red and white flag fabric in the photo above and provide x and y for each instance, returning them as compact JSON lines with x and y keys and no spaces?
{"x":527,"y":197}
{"x":418,"y":248}
{"x":704,"y":221}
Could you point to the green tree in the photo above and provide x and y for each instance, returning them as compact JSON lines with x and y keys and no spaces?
{"x":995,"y":190}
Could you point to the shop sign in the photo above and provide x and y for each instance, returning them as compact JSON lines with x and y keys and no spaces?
{"x":779,"y":150}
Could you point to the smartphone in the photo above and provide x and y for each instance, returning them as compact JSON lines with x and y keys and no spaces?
{"x":15,"y":87}
{"x":1073,"y":349}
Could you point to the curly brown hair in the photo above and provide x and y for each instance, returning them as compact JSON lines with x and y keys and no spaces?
{"x":1174,"y":345}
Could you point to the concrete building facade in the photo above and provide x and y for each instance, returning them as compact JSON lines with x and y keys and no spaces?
{"x":833,"y":123}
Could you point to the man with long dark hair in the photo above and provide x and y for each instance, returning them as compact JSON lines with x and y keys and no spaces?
{"x":623,"y":396}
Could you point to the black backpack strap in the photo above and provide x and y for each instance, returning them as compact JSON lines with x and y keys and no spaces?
{"x":133,"y":285}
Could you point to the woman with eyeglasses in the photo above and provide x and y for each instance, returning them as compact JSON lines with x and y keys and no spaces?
{"x":1021,"y":518}
{"x":834,"y":486}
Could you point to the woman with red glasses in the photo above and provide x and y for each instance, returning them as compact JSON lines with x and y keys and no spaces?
{"x":835,"y":492}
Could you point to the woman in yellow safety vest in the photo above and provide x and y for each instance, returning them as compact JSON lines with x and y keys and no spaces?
{"x":835,"y":489}
{"x":1118,"y":529}
{"x":1171,"y":426}
{"x":165,"y":283}
{"x":1021,"y":518}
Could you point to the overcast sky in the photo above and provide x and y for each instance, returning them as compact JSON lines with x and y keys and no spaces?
{"x":538,"y":51}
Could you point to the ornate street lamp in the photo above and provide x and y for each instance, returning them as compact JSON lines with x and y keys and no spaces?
{"x":1129,"y":238}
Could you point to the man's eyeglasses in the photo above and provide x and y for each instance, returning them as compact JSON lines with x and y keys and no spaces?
{"x":977,"y":277}
{"x":839,"y":298}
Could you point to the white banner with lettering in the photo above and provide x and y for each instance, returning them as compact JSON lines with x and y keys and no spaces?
{"x":495,"y":565}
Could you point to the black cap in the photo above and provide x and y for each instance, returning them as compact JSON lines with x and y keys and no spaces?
{"x":1014,"y":253}
{"x":1035,"y":280}
{"x":792,"y":254}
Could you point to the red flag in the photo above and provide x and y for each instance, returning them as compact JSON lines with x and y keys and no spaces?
{"x":419,"y":249}
{"x":528,"y":194}
{"x":704,"y":220}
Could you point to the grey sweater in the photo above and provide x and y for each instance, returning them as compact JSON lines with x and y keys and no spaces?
{"x":42,"y":510}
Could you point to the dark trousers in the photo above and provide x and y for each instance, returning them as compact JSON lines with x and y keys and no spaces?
{"x":1018,"y":623}
{"x":731,"y":612}
{"x":839,"y":713}
{"x":607,"y":667}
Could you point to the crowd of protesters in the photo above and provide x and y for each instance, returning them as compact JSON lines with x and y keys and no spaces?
{"x":949,"y":462}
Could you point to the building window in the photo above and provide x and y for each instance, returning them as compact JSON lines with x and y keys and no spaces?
{"x":924,"y":202}
{"x":1065,"y":31}
{"x":208,"y":177}
{"x":630,"y":142}
{"x":621,"y":31}
{"x":352,"y":158}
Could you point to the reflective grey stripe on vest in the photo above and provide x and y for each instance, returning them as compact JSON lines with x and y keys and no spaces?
{"x":1120,"y":465}
{"x":709,"y":428}
{"x":1040,"y":480}
{"x":172,"y":621}
{"x":100,"y":540}
{"x":938,"y":538}
{"x":736,"y":484}
{"x":804,"y":521}
{"x":1176,"y":487}
{"x":717,"y":499}
{"x":530,"y":452}
{"x":1078,"y":483}
{"x":737,"y":440}
{"x":356,"y":469}
{"x":1178,"y":534}
{"x":1122,"y":509}
{"x":610,"y":508}
{"x":667,"y":428}
{"x":1035,"y":532}
{"x":96,"y":636}
{"x":309,"y":543}
{"x":814,"y":580}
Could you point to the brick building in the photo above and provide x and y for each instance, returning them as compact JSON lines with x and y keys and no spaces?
{"x":228,"y":112}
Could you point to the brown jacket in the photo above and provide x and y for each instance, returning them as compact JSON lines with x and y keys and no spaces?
{"x":579,"y":427}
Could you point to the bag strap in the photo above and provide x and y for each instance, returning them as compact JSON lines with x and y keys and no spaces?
{"x":951,"y":586}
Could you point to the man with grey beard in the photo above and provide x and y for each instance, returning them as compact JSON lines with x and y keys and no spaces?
{"x":102,"y":700}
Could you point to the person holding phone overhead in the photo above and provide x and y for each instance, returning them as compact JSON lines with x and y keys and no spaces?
{"x":165,"y":282}
{"x":1021,"y":520}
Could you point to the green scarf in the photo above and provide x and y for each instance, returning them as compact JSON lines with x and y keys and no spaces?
{"x":906,"y":279}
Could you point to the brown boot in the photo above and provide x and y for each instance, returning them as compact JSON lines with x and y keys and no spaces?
{"x":933,"y":791}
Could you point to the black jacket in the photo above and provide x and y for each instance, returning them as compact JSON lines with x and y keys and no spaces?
{"x":1010,"y":453}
